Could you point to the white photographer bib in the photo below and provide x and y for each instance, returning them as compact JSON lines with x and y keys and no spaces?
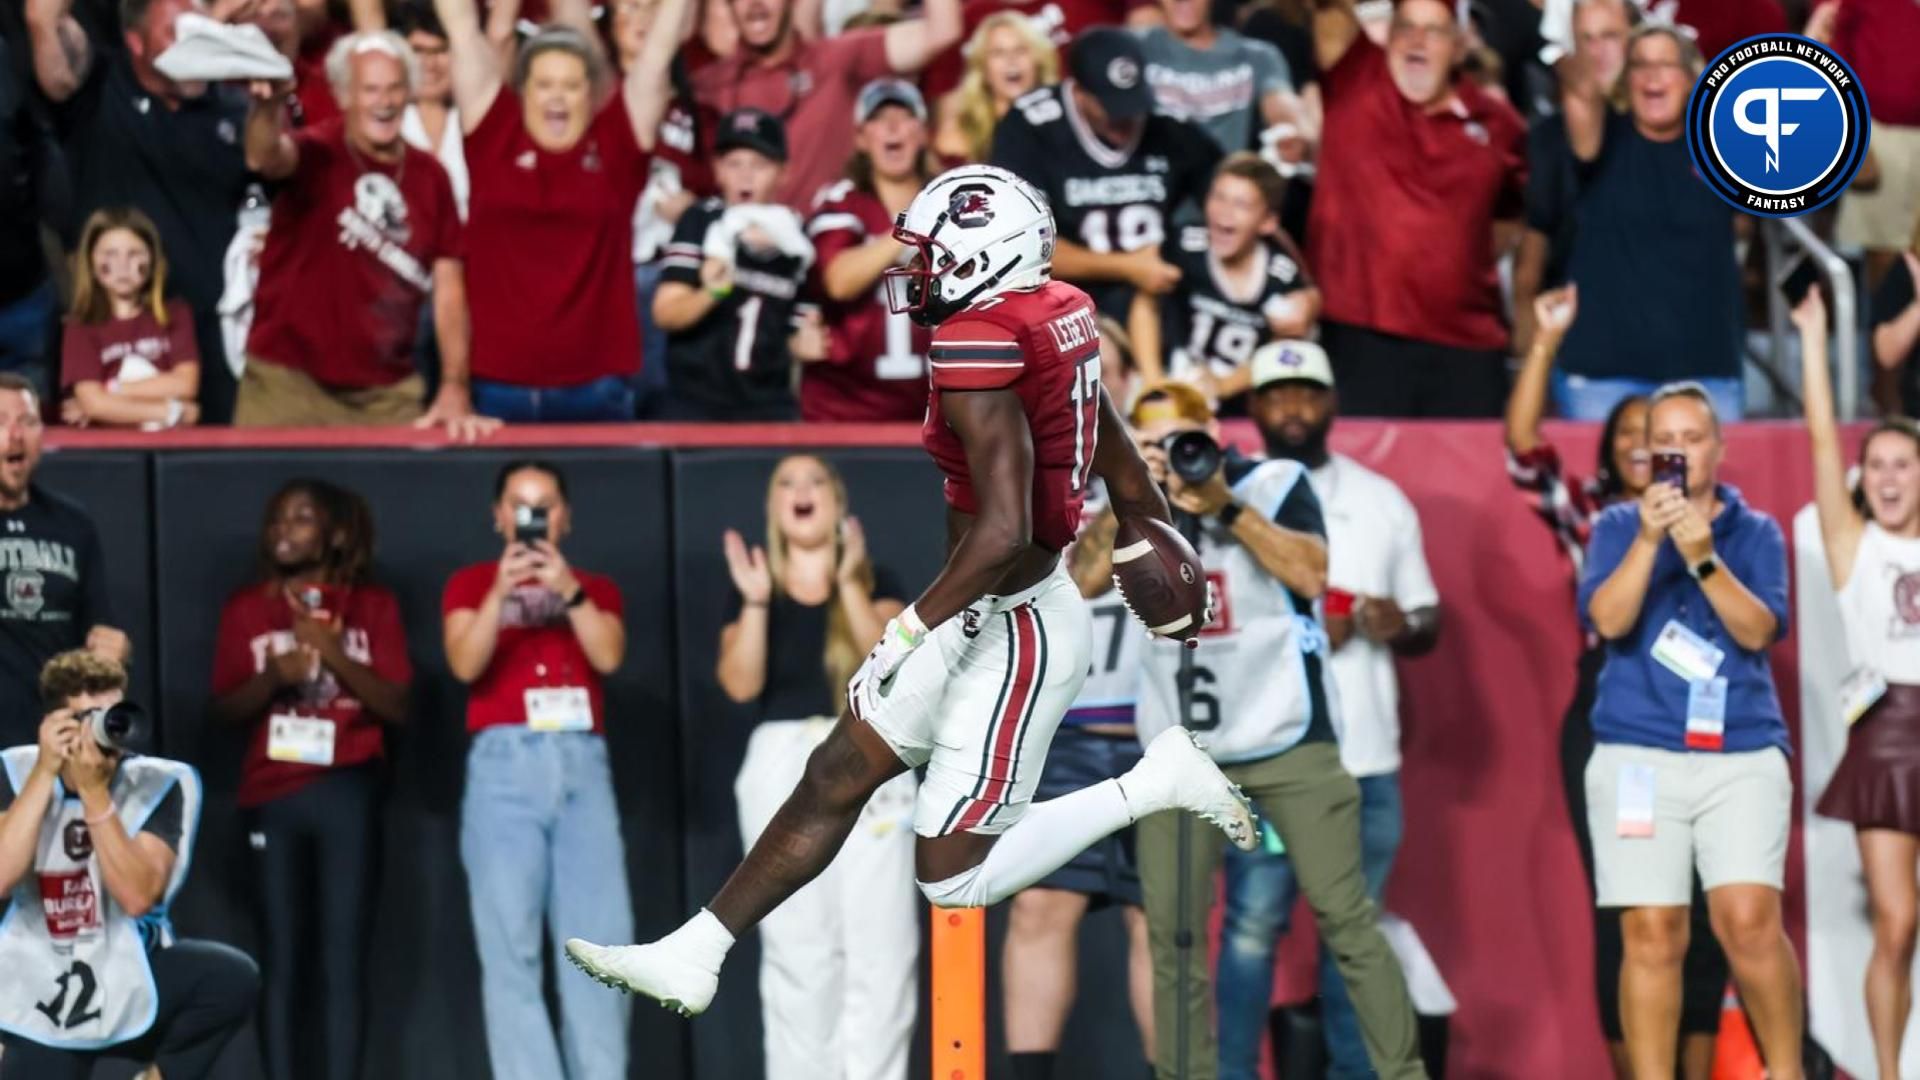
{"x":73,"y":964}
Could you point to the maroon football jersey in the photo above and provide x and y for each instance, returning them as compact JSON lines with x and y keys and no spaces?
{"x":1044,"y":345}
{"x":875,"y":369}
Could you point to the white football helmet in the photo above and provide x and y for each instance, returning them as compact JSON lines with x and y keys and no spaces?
{"x":977,"y":231}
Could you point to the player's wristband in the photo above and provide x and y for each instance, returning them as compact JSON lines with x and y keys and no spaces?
{"x":910,"y":629}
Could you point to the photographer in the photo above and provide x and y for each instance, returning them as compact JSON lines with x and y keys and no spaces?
{"x":1688,"y":588}
{"x":1260,"y":696}
{"x":94,"y":843}
{"x":532,"y":637}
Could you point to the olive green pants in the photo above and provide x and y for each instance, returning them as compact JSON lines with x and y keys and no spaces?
{"x":1315,"y":806}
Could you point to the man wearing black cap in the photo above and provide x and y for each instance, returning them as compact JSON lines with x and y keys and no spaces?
{"x":730,"y":282}
{"x":1113,"y":171}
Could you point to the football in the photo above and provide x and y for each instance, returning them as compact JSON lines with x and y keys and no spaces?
{"x":1160,"y":578}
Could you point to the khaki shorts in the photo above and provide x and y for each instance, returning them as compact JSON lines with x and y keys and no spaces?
{"x":1728,"y":814}
{"x":1883,"y":218}
{"x":274,"y":395}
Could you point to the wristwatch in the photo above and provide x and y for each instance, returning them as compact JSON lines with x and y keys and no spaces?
{"x":579,"y":596}
{"x":1705,"y":568}
{"x":1229,"y":514}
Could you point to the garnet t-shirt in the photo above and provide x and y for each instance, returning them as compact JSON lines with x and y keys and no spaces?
{"x":127,"y":349}
{"x":349,"y":261}
{"x":550,"y":237}
{"x":1401,"y":232}
{"x":255,"y":626}
{"x":536,"y":647}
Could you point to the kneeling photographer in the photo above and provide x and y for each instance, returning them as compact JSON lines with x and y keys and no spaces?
{"x":1257,"y":693}
{"x":95,"y":840}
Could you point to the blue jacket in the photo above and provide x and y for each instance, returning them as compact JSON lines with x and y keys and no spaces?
{"x":1639,"y":701}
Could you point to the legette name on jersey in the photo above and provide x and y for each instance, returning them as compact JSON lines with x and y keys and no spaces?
{"x":1074,"y":330}
{"x":1117,"y":190}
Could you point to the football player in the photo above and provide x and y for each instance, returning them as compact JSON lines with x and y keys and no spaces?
{"x":972,"y":679}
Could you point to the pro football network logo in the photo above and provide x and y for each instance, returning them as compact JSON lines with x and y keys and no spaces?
{"x":1777,"y":125}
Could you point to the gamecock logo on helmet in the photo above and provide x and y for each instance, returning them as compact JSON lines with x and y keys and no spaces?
{"x":969,"y":208}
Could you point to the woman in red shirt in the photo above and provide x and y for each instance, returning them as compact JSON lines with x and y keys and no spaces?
{"x":534,"y":637}
{"x":310,"y":660}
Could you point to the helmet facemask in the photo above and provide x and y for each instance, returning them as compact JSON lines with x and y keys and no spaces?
{"x":914,"y":290}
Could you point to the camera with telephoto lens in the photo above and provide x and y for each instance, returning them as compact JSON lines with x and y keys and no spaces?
{"x":122,"y":726}
{"x":1193,"y":456}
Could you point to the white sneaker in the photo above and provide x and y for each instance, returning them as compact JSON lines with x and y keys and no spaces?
{"x":1175,"y":774}
{"x":657,"y":970}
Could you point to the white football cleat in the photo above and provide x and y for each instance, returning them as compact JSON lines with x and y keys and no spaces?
{"x":657,"y":970}
{"x":1176,"y":774}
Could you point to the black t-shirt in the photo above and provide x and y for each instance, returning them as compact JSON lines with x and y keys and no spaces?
{"x":796,"y":686}
{"x":53,"y":589}
{"x":1294,"y":40}
{"x":1104,"y":198}
{"x":1299,"y":511}
{"x":735,"y":361}
{"x":1889,"y":300}
{"x":1653,"y":257}
{"x":1552,"y":190}
{"x":24,"y":145}
{"x":1204,"y":326}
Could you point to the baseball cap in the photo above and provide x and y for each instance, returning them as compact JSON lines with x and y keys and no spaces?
{"x":1291,"y":361}
{"x":889,"y":92}
{"x":1108,"y":62}
{"x":752,"y":129}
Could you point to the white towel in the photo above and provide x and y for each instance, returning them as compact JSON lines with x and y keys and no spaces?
{"x":780,"y":224}
{"x":207,"y":50}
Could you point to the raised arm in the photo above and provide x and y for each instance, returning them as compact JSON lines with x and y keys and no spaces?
{"x":992,"y":427}
{"x":476,"y":63}
{"x":270,"y":148}
{"x":1840,"y":524}
{"x":1334,"y":31}
{"x":1895,"y":339}
{"x":1143,"y":327}
{"x":1583,"y":102}
{"x":913,"y":43}
{"x":1553,"y":313}
{"x":62,"y":55}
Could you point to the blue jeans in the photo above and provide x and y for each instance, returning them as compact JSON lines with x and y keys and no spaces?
{"x":651,"y":384}
{"x":23,"y":336}
{"x":540,"y":838}
{"x":1260,"y":894}
{"x":608,"y":399}
{"x":1578,"y":397}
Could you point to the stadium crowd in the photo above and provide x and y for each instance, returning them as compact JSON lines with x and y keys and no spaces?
{"x":453,"y":215}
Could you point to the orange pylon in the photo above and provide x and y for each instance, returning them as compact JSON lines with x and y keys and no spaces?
{"x":959,"y":993}
{"x":1735,"y":1055}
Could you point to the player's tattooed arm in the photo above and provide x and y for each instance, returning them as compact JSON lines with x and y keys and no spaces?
{"x":992,"y":426}
{"x":1130,"y":488}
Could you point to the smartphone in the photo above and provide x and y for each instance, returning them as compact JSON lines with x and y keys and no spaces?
{"x":1670,"y":467}
{"x":529,"y":524}
{"x":1803,"y":277}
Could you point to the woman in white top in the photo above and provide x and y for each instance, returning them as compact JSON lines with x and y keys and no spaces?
{"x":1872,"y":541}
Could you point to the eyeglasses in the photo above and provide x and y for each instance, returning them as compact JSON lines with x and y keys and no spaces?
{"x":1423,"y":30}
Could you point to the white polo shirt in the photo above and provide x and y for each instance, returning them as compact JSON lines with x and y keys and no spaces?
{"x":1373,"y":549}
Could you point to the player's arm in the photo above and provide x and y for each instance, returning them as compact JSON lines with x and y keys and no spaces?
{"x":1130,"y":488}
{"x":992,"y":428}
